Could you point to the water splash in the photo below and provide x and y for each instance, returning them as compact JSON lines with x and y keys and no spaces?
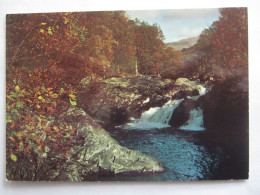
{"x":195,"y":122}
{"x":155,"y":117}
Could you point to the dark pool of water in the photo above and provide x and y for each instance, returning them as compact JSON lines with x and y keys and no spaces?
{"x":182,"y":154}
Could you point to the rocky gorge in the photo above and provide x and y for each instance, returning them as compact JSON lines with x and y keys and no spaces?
{"x":116,"y":101}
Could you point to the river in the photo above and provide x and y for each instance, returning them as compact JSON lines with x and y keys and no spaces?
{"x":181,"y":153}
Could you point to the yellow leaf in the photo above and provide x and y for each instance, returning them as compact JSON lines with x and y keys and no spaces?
{"x":14,"y":157}
{"x":42,"y":31}
{"x":49,"y":31}
{"x":43,"y":23}
{"x":39,"y":148}
{"x":17,"y":88}
{"x":73,"y":97}
{"x":55,"y":95}
{"x":40,"y":98}
{"x":19,"y":135}
{"x":11,"y":138}
{"x":56,"y":128}
{"x":9,"y":121}
{"x":38,"y":106}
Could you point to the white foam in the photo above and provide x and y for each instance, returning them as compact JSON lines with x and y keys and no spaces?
{"x":195,"y":122}
{"x":154,"y":118}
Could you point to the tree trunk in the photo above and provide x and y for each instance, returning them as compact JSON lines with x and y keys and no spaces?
{"x":136,"y":68}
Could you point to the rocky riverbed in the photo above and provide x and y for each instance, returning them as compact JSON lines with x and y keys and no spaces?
{"x":116,"y":100}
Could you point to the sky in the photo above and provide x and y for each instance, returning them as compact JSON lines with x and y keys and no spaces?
{"x":178,"y":24}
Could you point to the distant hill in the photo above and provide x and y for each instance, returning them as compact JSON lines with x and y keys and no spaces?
{"x":184,"y":43}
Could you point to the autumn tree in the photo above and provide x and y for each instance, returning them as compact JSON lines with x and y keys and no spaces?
{"x":149,"y":47}
{"x":225,"y":44}
{"x":172,"y":62}
{"x":222,"y":49}
{"x":230,"y":40}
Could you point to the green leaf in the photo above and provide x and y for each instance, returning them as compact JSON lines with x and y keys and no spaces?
{"x":73,"y":103}
{"x":46,"y":149}
{"x":17,"y":88}
{"x":38,"y":118}
{"x":48,"y":100}
{"x":14,"y":157}
{"x":13,"y":94}
{"x":19,"y":104}
{"x":43,"y":89}
{"x":20,"y":95}
{"x":40,"y":98}
{"x":62,"y":90}
{"x":14,"y":110}
{"x":8,"y":121}
{"x":55,"y":95}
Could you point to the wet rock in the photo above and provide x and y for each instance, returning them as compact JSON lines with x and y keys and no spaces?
{"x":183,"y":81}
{"x":100,"y":152}
{"x":95,"y":153}
{"x":118,"y":99}
{"x":181,"y":114}
{"x":226,"y":118}
{"x":226,"y":106}
{"x":118,"y":115}
{"x":183,"y":94}
{"x":188,"y":85}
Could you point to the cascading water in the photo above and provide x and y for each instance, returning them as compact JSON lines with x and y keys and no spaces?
{"x":159,"y":117}
{"x":195,"y":122}
{"x":156,"y":117}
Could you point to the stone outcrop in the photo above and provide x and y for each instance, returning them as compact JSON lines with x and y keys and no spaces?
{"x":95,"y":153}
{"x":117,"y":99}
{"x":99,"y":153}
{"x":181,"y":114}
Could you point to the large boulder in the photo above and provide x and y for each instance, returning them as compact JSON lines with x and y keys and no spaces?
{"x":181,"y":114}
{"x":94,"y":153}
{"x":225,"y":107}
{"x":226,"y":119}
{"x":99,"y":153}
{"x":190,"y":86}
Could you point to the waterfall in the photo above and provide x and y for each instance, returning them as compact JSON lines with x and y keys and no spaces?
{"x":195,"y":122}
{"x":155,"y":117}
{"x":159,"y":117}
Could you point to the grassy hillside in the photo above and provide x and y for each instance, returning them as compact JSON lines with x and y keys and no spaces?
{"x":184,"y":43}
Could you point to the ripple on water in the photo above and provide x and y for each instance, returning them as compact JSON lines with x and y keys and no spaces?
{"x":183,"y":160}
